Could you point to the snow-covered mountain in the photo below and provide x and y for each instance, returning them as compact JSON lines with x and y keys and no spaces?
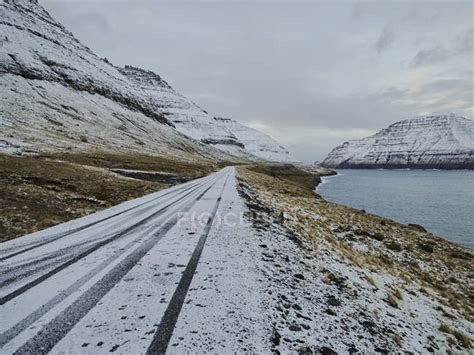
{"x":432,"y":142}
{"x":191,"y":120}
{"x":256,"y":142}
{"x":55,"y":93}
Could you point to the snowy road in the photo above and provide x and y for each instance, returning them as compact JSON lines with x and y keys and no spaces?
{"x":135,"y":278}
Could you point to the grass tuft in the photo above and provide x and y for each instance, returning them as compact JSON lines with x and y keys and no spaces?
{"x":462,"y":339}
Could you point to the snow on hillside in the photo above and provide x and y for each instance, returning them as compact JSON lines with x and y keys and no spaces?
{"x":436,"y":141}
{"x":44,"y":116}
{"x":188,"y":118}
{"x":256,"y":142}
{"x":57,"y":94}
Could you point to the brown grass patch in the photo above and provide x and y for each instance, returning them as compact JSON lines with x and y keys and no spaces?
{"x":106,"y":160}
{"x":37,"y":192}
{"x":462,"y":339}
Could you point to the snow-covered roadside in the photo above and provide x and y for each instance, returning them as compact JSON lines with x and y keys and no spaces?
{"x":318,"y":303}
{"x":332,"y":289}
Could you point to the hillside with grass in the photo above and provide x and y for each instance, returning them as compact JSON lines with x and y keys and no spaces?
{"x":366,"y":283}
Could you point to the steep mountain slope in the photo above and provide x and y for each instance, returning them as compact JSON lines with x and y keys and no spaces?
{"x":55,"y":93}
{"x":191,"y":120}
{"x":255,"y":142}
{"x":431,"y":142}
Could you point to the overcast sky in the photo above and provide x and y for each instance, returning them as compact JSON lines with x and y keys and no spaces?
{"x":310,"y":74}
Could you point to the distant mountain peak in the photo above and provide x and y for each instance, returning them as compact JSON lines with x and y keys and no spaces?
{"x":441,"y":141}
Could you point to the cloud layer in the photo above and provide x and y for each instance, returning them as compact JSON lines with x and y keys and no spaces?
{"x":311,"y":74}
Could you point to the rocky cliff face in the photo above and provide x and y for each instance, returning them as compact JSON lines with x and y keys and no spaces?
{"x":430,"y":142}
{"x":55,"y":93}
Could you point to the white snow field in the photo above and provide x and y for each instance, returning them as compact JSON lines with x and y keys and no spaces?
{"x":166,"y":271}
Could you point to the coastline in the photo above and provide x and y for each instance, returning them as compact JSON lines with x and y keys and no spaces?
{"x":362,"y":268}
{"x":368,"y":166}
{"x":400,"y":198}
{"x":326,"y":179}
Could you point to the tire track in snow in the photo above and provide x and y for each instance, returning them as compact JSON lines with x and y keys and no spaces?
{"x":166,"y":327}
{"x":20,"y":326}
{"x":34,"y":266}
{"x":56,"y":329}
{"x":60,"y":235}
{"x":89,"y":299}
{"x":11,"y":275}
{"x":10,"y":296}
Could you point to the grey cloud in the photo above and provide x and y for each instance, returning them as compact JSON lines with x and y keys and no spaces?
{"x":462,"y":45}
{"x":466,"y":43}
{"x":430,"y":56}
{"x":449,"y":84}
{"x":435,"y":96}
{"x":393,"y":93}
{"x":384,"y":41}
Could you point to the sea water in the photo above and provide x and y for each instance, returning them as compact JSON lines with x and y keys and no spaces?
{"x":442,"y":201}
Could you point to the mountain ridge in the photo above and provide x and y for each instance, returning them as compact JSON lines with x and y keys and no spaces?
{"x":425,"y":142}
{"x":193,"y":121}
{"x":79,"y":101}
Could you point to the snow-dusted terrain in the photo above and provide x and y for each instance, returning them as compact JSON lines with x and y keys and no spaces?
{"x":191,"y":120}
{"x":55,"y":93}
{"x":247,"y":262}
{"x":437,"y":141}
{"x":255,"y":142}
{"x":170,"y":270}
{"x":341,"y":281}
{"x":187,"y":270}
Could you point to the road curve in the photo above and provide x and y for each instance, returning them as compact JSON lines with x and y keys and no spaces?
{"x":63,"y":287}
